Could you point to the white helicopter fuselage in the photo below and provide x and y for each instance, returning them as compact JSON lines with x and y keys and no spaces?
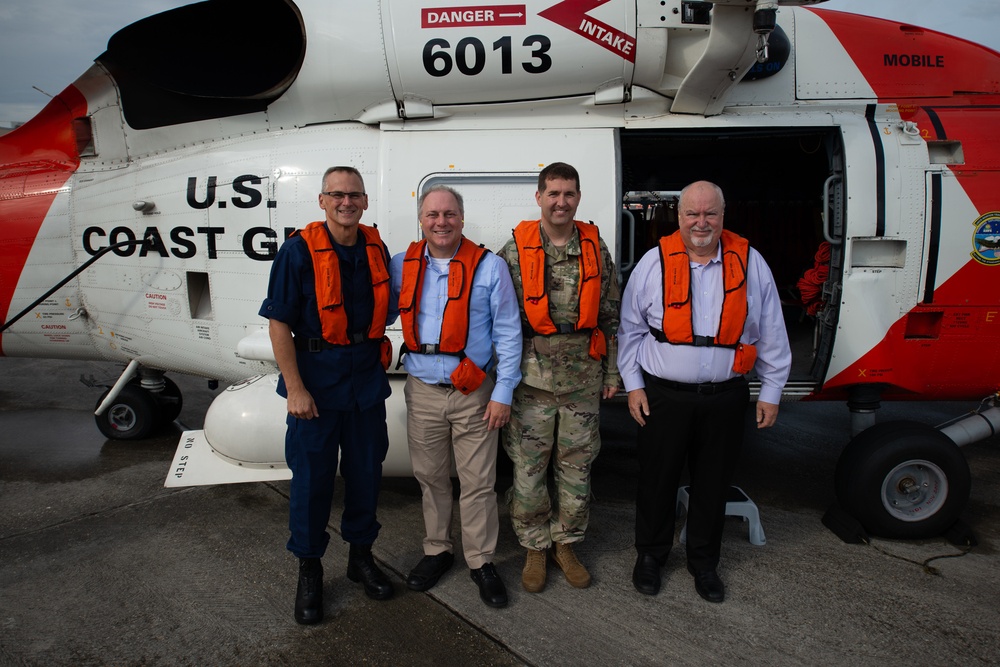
{"x":856,"y":154}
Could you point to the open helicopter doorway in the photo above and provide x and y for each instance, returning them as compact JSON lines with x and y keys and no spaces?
{"x":784,"y":192}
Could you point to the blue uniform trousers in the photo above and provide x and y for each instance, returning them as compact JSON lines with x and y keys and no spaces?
{"x":311,"y":451}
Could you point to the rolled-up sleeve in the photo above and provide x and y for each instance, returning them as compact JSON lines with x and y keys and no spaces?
{"x":284,"y":289}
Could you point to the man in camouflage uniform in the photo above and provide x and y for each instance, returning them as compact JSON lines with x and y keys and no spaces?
{"x":569,"y":299}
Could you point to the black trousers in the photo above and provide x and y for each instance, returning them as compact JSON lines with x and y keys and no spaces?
{"x":705,"y":430}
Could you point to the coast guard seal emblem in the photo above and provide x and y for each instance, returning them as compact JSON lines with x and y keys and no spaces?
{"x":986,"y":239}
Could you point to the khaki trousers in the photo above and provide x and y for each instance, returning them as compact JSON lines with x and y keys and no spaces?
{"x":443,"y":423}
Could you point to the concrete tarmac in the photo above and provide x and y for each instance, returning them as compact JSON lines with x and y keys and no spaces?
{"x":101,"y":565}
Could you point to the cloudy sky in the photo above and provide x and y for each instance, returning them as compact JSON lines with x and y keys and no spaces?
{"x":48,"y":43}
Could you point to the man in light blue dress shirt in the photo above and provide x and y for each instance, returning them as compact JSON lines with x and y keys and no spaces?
{"x":462,"y":329}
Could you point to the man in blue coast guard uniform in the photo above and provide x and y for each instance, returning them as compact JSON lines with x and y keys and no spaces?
{"x":328,"y":303}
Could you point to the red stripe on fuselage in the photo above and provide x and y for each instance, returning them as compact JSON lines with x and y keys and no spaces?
{"x":36,"y":160}
{"x":948,"y":348}
{"x":901,"y":61}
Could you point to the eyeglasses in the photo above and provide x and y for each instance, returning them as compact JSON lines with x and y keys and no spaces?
{"x":340,"y":196}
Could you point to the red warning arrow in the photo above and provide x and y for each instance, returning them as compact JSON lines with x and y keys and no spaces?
{"x":572,"y":15}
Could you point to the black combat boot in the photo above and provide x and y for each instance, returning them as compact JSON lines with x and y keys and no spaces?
{"x":309,"y":595}
{"x":361,"y":567}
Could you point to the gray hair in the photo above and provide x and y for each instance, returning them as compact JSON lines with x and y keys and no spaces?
{"x":441,"y":188}
{"x":348,"y":170}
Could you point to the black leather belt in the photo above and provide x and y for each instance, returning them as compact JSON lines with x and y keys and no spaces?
{"x":304,"y":344}
{"x":698,"y":388}
{"x":440,"y":385}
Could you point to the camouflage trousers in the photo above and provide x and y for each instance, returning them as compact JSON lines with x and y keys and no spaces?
{"x":564,"y":431}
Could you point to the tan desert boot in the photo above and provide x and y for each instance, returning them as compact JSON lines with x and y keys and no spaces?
{"x":533,"y":575}
{"x":576,"y":573}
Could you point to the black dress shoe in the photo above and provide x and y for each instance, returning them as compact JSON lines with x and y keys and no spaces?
{"x":361,"y":568}
{"x":708,"y":585}
{"x":646,"y":574}
{"x":309,"y":595}
{"x":491,"y":588}
{"x":429,"y":570}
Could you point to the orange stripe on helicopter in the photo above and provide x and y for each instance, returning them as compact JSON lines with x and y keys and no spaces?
{"x":36,"y":160}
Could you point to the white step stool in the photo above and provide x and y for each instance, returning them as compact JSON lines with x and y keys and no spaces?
{"x":738,"y":504}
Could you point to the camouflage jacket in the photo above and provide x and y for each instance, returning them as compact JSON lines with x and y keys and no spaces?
{"x":560,"y":363}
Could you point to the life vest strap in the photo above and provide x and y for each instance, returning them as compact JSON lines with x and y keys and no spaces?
{"x":430,"y":348}
{"x":564,"y":328}
{"x":697,"y":341}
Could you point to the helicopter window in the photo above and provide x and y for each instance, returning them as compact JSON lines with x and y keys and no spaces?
{"x":207,"y":60}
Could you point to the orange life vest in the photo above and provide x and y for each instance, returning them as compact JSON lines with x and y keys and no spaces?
{"x":455,"y":319}
{"x":677,"y":314}
{"x":531,"y":255}
{"x":329,"y":295}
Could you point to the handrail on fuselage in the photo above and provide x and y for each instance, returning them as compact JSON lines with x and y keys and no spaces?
{"x":83,"y":267}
